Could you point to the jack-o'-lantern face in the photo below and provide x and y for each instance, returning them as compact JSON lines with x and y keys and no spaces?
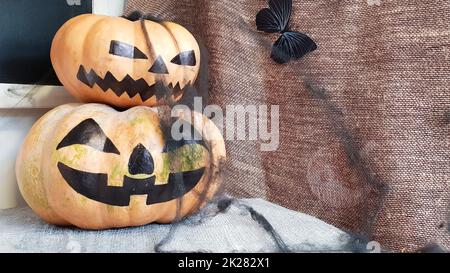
{"x":94,"y":167}
{"x":125,"y":63}
{"x":143,"y":174}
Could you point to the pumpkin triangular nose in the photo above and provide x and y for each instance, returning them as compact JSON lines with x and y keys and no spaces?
{"x":159,"y":67}
{"x":141,"y":161}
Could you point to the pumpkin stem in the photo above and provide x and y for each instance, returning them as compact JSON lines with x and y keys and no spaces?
{"x":137,"y":15}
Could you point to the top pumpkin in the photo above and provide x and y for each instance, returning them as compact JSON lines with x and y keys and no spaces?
{"x":124,"y":63}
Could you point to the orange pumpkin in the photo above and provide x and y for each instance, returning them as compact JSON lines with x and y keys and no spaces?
{"x":125,"y":63}
{"x":93,"y":167}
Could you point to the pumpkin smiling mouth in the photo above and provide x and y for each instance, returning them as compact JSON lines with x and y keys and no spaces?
{"x":95,"y":186}
{"x":129,"y":85}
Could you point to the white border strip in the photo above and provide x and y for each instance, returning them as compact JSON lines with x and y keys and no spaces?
{"x":108,"y":7}
{"x":32,"y":96}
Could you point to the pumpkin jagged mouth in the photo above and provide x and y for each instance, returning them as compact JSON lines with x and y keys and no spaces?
{"x":129,"y":85}
{"x":95,"y":186}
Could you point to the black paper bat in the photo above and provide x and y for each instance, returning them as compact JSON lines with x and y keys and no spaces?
{"x":291,"y":44}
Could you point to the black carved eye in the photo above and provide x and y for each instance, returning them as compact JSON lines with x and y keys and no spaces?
{"x":185,"y":58}
{"x":89,"y":133}
{"x":125,"y":50}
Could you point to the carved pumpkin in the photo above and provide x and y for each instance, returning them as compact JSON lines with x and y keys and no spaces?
{"x":125,"y":63}
{"x":93,"y":167}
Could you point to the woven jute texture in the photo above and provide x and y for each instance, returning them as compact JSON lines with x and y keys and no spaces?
{"x":364,"y":120}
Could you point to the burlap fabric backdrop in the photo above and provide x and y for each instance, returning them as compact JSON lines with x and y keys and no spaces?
{"x":364,"y":120}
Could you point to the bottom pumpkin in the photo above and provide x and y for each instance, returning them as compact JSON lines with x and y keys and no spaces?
{"x":94,"y":167}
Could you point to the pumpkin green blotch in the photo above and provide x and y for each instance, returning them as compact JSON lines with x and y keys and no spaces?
{"x":116,"y":172}
{"x":80,"y":152}
{"x":34,"y":188}
{"x":83,"y":200}
{"x":138,"y":120}
{"x":187,"y":158}
{"x":163,"y":175}
{"x":110,"y":209}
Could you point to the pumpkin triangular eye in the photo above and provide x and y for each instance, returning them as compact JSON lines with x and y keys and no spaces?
{"x":159,"y":66}
{"x":185,"y":58}
{"x":125,"y":50}
{"x":89,"y":133}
